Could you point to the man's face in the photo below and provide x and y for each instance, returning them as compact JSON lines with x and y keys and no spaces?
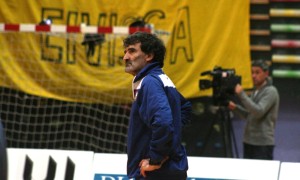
{"x":259,"y":76}
{"x":135,"y":59}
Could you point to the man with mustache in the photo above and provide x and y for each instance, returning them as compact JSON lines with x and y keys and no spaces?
{"x":157,"y":115}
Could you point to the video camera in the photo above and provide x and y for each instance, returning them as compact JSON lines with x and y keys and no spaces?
{"x":223,"y":84}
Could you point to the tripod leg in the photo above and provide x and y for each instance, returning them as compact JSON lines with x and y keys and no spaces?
{"x":207,"y":137}
{"x":231,"y":134}
{"x":234,"y":140}
{"x":226,"y":133}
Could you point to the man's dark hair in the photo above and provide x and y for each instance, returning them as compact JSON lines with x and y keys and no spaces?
{"x":150,"y":44}
{"x":262,"y":64}
{"x":138,"y":23}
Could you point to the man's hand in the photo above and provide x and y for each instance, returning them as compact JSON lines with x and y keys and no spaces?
{"x":231,"y":105}
{"x":145,"y":166}
{"x":238,"y":89}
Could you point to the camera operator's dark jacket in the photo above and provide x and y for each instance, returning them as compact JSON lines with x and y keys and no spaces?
{"x":260,"y":111}
{"x":158,"y":113}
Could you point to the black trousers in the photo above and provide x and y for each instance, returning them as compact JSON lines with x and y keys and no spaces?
{"x":258,"y":152}
{"x":157,"y":175}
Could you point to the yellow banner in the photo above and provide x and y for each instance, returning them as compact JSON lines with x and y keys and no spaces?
{"x":199,"y":35}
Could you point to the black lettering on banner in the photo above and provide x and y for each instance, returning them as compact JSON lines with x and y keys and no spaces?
{"x":90,"y":42}
{"x":154,"y":13}
{"x":51,"y":52}
{"x":181,"y":37}
{"x":101,"y":22}
{"x":89,"y":39}
{"x":70,"y":169}
{"x":27,"y":168}
{"x":181,"y":40}
{"x":112,"y":44}
{"x":51,"y":171}
{"x":72,"y":20}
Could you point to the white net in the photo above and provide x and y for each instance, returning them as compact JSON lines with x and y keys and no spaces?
{"x":36,"y":122}
{"x":46,"y":102}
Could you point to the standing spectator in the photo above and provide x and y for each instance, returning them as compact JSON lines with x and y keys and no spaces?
{"x":157,"y":115}
{"x":260,"y":111}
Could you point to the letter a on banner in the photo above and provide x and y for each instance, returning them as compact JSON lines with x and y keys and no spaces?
{"x":181,"y":39}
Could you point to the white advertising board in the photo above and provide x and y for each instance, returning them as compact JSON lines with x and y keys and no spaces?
{"x":40,"y":164}
{"x":229,"y":168}
{"x":289,"y":171}
{"x":110,"y":166}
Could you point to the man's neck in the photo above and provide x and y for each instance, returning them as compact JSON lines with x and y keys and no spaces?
{"x":262,"y":85}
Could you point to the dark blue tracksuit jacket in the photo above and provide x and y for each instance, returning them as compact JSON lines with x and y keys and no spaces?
{"x":157,"y":115}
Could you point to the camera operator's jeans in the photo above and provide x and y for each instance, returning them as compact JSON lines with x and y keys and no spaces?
{"x":258,"y":152}
{"x":3,"y":154}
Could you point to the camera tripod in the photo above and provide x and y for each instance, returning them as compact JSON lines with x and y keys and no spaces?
{"x":227,"y":132}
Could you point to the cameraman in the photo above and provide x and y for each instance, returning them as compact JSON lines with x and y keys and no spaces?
{"x":260,"y":111}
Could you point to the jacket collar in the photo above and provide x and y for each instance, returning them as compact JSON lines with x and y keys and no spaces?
{"x":146,"y":70}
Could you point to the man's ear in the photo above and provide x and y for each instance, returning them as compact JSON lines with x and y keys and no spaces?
{"x":267,"y":73}
{"x":149,"y":57}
